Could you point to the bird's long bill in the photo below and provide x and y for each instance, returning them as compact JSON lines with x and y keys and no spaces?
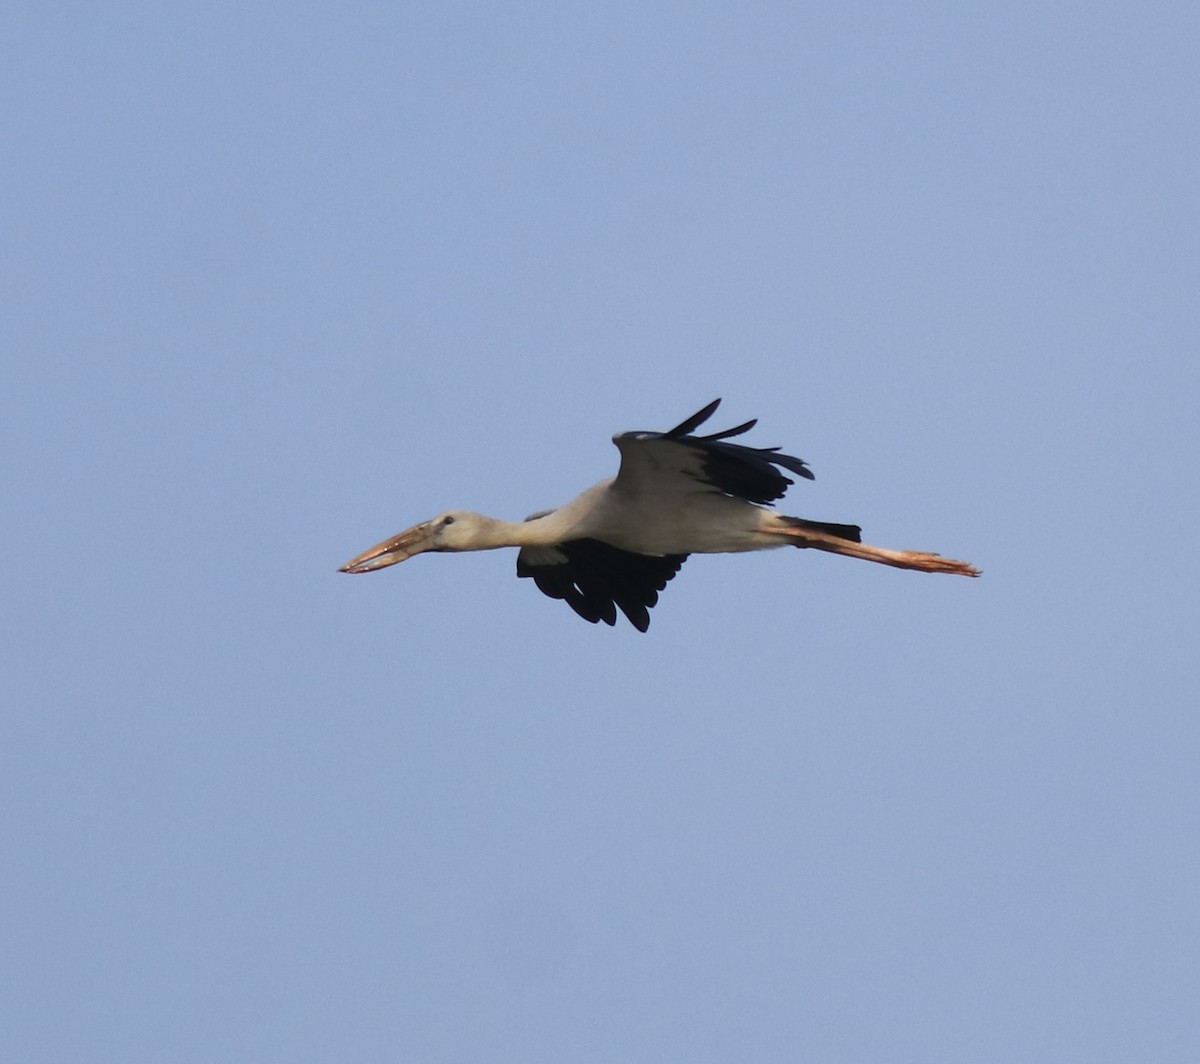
{"x":404,"y":545}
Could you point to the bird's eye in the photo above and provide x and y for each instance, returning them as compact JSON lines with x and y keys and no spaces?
{"x":447,"y":520}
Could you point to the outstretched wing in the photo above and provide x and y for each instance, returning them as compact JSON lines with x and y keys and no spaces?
{"x":596,"y":579}
{"x":663,"y":463}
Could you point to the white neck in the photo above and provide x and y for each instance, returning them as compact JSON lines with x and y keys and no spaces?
{"x":489,"y":533}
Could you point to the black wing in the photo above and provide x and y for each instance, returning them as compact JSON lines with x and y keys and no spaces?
{"x":744,"y":472}
{"x":596,"y":579}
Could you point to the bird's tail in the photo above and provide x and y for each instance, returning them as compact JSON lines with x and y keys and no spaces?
{"x":851,"y":532}
{"x":845,"y":540}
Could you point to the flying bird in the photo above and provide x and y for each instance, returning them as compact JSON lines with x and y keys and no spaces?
{"x":616,"y":545}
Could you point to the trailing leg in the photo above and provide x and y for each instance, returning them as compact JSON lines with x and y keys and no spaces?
{"x":814,"y":534}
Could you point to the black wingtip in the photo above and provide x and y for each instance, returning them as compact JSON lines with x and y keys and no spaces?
{"x":697,"y":419}
{"x":745,"y":426}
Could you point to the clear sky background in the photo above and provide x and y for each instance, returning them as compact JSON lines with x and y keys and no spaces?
{"x":282,"y":279}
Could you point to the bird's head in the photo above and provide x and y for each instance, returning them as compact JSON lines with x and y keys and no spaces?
{"x":450,"y":531}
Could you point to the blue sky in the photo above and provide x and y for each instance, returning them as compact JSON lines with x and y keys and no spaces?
{"x":280,"y":280}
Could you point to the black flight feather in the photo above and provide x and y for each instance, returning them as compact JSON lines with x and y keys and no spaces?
{"x":596,"y":579}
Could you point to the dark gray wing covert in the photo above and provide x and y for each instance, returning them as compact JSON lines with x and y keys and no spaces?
{"x":732,"y":468}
